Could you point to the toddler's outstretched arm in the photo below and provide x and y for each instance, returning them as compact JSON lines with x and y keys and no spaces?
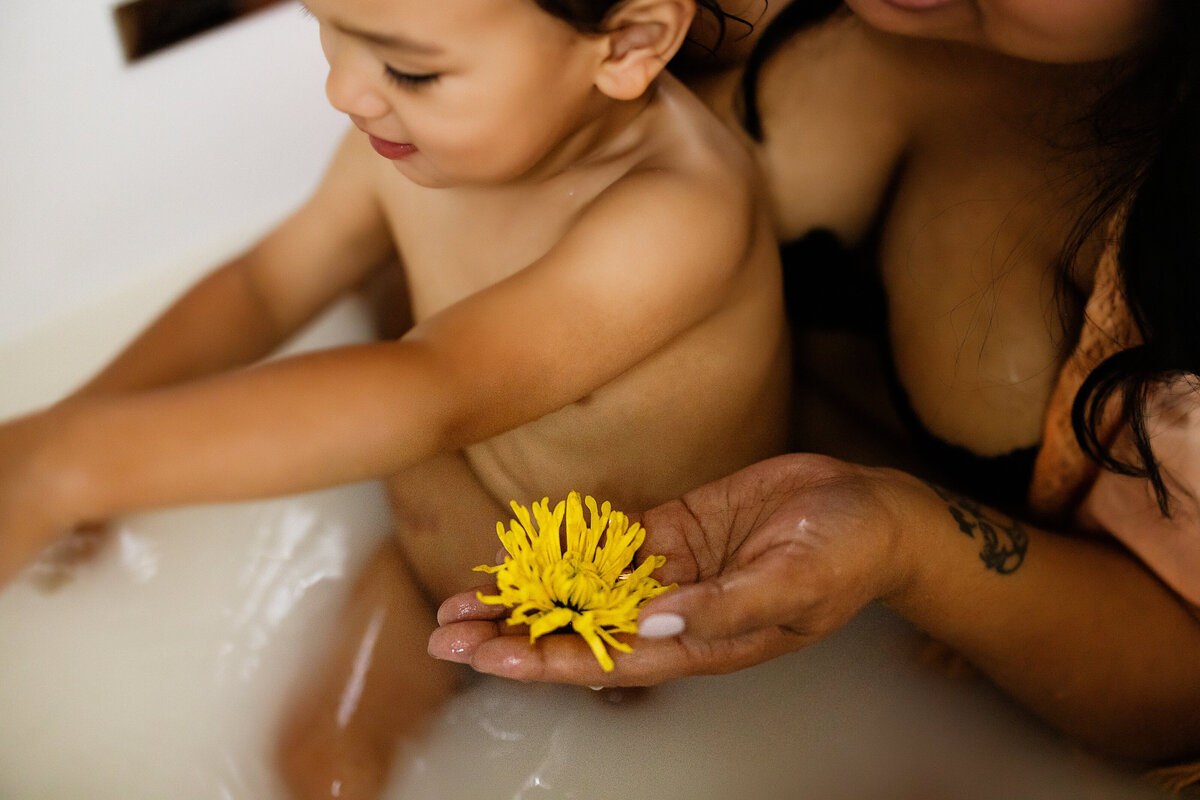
{"x":635,"y":272}
{"x":248,"y":307}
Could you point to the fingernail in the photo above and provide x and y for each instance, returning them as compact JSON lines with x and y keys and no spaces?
{"x":660,"y":626}
{"x":454,"y":650}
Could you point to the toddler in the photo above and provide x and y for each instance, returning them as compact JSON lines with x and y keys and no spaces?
{"x":594,"y":304}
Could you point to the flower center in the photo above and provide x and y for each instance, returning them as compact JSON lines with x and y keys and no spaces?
{"x":575,"y":584}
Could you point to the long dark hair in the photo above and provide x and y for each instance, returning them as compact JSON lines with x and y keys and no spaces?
{"x":1148,"y":129}
{"x":1159,"y":183}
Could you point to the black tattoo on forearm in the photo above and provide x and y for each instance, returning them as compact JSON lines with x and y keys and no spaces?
{"x":1004,"y":539}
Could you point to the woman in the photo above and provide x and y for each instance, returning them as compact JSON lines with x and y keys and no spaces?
{"x":991,"y":214}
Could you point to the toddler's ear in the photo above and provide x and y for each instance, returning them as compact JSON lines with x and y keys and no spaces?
{"x":642,"y":35}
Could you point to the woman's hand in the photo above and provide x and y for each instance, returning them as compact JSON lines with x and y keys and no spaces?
{"x":768,"y":560}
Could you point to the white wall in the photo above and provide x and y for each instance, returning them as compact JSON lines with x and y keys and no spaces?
{"x":116,"y":176}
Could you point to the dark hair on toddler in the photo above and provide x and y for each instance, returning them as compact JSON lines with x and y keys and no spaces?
{"x":588,"y":16}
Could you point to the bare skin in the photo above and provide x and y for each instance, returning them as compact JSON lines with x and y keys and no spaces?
{"x":594,"y":293}
{"x":959,"y":160}
{"x":968,"y":247}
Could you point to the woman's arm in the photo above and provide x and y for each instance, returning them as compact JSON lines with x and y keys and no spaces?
{"x":1079,"y":631}
{"x":786,"y":551}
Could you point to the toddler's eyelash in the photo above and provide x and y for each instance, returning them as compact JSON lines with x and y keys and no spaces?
{"x":409,"y":79}
{"x":406,"y":79}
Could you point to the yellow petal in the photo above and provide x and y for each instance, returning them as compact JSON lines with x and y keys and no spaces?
{"x":584,"y":627}
{"x":553,"y":577}
{"x":549,"y":622}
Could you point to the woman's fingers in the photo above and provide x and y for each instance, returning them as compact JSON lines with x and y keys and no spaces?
{"x":564,"y":658}
{"x":768,"y":592}
{"x":494,"y":647}
{"x":466,"y":606}
{"x":459,"y":641}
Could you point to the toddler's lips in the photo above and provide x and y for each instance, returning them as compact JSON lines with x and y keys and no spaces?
{"x":393,"y":151}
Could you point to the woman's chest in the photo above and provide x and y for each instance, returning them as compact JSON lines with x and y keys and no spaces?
{"x":947,"y":169}
{"x":970,"y":255}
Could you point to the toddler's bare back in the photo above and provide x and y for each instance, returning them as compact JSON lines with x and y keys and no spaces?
{"x":710,"y":400}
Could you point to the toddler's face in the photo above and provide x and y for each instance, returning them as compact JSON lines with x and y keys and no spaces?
{"x":457,"y":91}
{"x":1059,"y":31}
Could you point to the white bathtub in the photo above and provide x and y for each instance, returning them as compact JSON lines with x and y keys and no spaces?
{"x":159,"y":670}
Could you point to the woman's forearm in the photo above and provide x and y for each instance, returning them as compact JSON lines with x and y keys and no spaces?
{"x":1075,"y":629}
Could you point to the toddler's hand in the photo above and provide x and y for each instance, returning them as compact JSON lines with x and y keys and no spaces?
{"x":60,"y":562}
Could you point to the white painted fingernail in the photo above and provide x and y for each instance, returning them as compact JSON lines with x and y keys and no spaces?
{"x":660,"y":626}
{"x":595,"y":688}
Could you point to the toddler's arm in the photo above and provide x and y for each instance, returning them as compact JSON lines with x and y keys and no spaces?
{"x":249,"y":306}
{"x":653,"y":256}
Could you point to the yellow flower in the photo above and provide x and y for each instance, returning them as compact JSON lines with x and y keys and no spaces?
{"x":587,"y":586}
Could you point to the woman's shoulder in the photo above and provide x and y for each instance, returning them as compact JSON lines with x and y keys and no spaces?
{"x":836,"y":108}
{"x":1126,"y":507}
